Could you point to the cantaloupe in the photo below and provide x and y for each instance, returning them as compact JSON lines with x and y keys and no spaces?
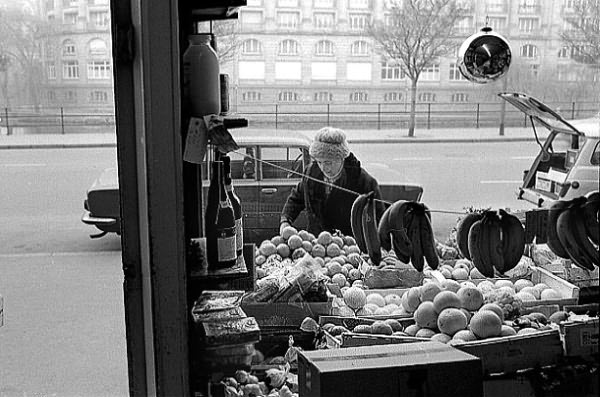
{"x":355,"y":298}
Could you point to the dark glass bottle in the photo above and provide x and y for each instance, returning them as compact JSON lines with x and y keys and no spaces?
{"x":220,"y":222}
{"x":237,"y":206}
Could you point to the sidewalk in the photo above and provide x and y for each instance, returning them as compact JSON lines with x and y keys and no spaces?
{"x":466,"y":135}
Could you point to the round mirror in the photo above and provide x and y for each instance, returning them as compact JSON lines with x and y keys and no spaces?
{"x":484,"y":57}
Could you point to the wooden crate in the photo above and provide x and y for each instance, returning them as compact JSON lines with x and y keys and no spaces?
{"x":352,"y":339}
{"x":580,"y":338}
{"x":509,"y":354}
{"x":568,"y":291}
{"x":285,"y":314}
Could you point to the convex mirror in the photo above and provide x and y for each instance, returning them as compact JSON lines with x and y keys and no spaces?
{"x":484,"y":56}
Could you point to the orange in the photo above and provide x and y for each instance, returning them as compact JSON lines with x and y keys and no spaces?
{"x":426,"y":315}
{"x":471,"y":298}
{"x":429,"y":291}
{"x":451,"y":320}
{"x":446,"y":299}
{"x":485,"y":324}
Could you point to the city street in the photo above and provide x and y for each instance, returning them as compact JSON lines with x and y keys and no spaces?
{"x":64,"y":332}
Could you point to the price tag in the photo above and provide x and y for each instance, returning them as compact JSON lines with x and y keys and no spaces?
{"x":196,"y":141}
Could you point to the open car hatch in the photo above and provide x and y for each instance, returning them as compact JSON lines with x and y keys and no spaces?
{"x":539,"y":111}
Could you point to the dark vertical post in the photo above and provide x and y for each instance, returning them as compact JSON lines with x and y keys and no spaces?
{"x":477,"y":122}
{"x":62,"y":120}
{"x":429,"y":116}
{"x":276,"y":115}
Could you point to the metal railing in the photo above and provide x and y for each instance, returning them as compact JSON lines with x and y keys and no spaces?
{"x":305,"y":116}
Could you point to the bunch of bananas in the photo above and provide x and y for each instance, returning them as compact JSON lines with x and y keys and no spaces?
{"x":573,"y":230}
{"x":405,"y":227}
{"x":491,"y":240}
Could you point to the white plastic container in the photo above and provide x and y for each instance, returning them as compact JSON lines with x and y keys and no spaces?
{"x":201,"y":87}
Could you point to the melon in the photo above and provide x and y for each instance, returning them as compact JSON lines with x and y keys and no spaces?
{"x":376,"y":299}
{"x":304,"y":235}
{"x":318,"y":250}
{"x":349,"y":240}
{"x":362,"y":329}
{"x":284,"y":250}
{"x":467,"y":283}
{"x":333,"y":250}
{"x":460,"y":274}
{"x":288,"y":231}
{"x":485,"y":324}
{"x":475,"y":273}
{"x":412,"y":329}
{"x":393,"y":298}
{"x":276,"y":240}
{"x":294,"y":242}
{"x":364,"y":311}
{"x":345,"y":311}
{"x":446,"y":299}
{"x":486,"y":285}
{"x":426,"y":315}
{"x":451,"y":320}
{"x":507,"y":330}
{"x":307,"y":246}
{"x":541,"y":286}
{"x":334,"y":268}
{"x":338,"y":330}
{"x":504,"y":283}
{"x":267,"y":248}
{"x":381,"y":311}
{"x":531,"y":290}
{"x":355,"y":298}
{"x":298,"y":253}
{"x":425,"y":333}
{"x":394,"y":324}
{"x":494,"y":308}
{"x":549,"y":294}
{"x":471,"y":298}
{"x":339,"y":279}
{"x":380,"y":327}
{"x":522,"y":283}
{"x":465,"y":335}
{"x":441,"y":337}
{"x":390,"y":307}
{"x":526,"y":330}
{"x":371,"y":306}
{"x":450,"y":285}
{"x":525,"y":296}
{"x":429,"y":291}
{"x":260,"y":259}
{"x":558,"y":317}
{"x":325,"y":238}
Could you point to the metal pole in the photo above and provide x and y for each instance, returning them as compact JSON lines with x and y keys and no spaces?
{"x":429,"y":116}
{"x":62,"y":120}
{"x":477,"y":115}
{"x":572,"y":110}
{"x":7,"y":124}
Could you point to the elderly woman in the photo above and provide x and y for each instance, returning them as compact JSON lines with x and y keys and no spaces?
{"x":333,"y":166}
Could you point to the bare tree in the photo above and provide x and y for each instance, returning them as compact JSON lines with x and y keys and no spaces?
{"x":416,"y":34}
{"x":226,"y":37}
{"x":583,"y":33}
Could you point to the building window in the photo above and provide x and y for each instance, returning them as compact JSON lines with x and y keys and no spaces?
{"x":70,"y":18}
{"x":359,"y":96}
{"x":431,"y":73}
{"x":68,"y":48}
{"x":497,"y":23}
{"x":324,"y":20}
{"x":324,"y":48}
{"x":496,"y":5}
{"x":251,"y":18}
{"x":359,"y":48}
{"x":251,"y":96}
{"x":529,"y":51}
{"x":98,"y":70}
{"x":459,"y":97}
{"x":323,"y":96}
{"x":98,"y":96}
{"x":70,"y":70}
{"x":51,"y":70}
{"x":288,"y":47}
{"x":288,"y":20}
{"x":528,"y":25}
{"x":534,"y":71}
{"x":455,"y":74}
{"x":100,"y":19}
{"x":426,"y":97}
{"x":51,"y":96}
{"x":392,"y":97}
{"x":70,"y":96}
{"x":287,"y":3}
{"x":359,"y":4}
{"x":528,"y":6}
{"x":358,"y":21}
{"x":324,"y":3}
{"x":49,"y":5}
{"x":563,"y":52}
{"x":251,"y":47}
{"x":287,"y":96}
{"x":97,"y":47}
{"x":69,"y":3}
{"x":391,"y":71}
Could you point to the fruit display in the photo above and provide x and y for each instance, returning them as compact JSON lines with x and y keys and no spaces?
{"x":493,"y":240}
{"x":573,"y":230}
{"x":244,"y":384}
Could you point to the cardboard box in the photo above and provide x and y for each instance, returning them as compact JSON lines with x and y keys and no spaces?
{"x":581,"y":338}
{"x":542,"y":181}
{"x":420,"y":369}
{"x":509,"y":354}
{"x":286,"y":314}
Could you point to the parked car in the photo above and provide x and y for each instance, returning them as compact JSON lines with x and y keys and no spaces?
{"x":263,"y":184}
{"x":568,"y":164}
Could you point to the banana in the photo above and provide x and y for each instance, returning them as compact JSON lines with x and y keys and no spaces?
{"x":552,"y":239}
{"x":428,"y":242}
{"x":475,"y":249}
{"x":566,"y":229}
{"x":591,"y":253}
{"x":369,"y":228}
{"x":462,"y":232}
{"x":592,"y":216}
{"x":356,"y":214}
{"x":513,"y":239}
{"x":492,"y":238}
{"x":398,"y":217}
{"x":384,"y":230}
{"x":414,"y":234}
{"x":402,"y":245}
